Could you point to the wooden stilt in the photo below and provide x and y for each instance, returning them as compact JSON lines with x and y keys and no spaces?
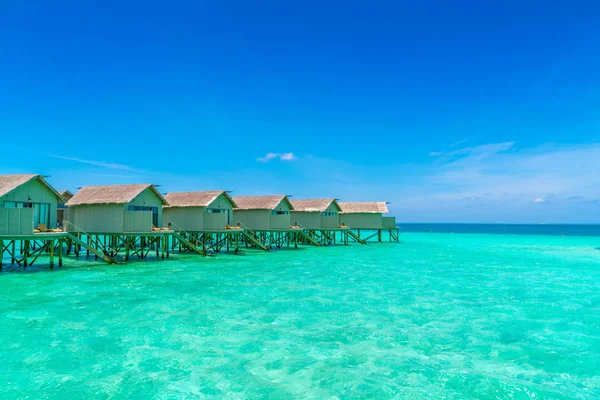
{"x":25,"y":253}
{"x":51,"y":242}
{"x":60,"y":252}
{"x":167,"y":239}
{"x":97,"y":241}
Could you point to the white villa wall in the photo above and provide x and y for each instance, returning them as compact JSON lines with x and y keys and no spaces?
{"x":96,"y":218}
{"x":33,"y":191}
{"x":362,"y":220}
{"x":16,"y":221}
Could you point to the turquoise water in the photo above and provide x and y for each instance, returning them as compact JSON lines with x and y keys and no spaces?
{"x":437,"y":316}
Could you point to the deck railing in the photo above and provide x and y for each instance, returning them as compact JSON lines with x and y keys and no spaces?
{"x":107,"y":250}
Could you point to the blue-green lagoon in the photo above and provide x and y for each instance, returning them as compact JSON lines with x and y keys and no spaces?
{"x":440,"y":315}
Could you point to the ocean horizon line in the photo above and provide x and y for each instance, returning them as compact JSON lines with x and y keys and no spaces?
{"x":502,"y":223}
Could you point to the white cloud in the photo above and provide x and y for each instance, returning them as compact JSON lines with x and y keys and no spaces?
{"x":288,"y":157}
{"x":272,"y":156}
{"x":267,"y":157}
{"x":562,"y":176}
{"x":476,"y":152}
{"x":457,"y":143}
{"x":96,"y":163}
{"x":441,"y":153}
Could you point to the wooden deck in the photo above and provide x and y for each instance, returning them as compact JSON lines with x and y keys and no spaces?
{"x":119,"y":247}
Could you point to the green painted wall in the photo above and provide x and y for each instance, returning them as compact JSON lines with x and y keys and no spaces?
{"x":137,"y":221}
{"x":389,"y":222}
{"x":331,"y":222}
{"x":262,"y":220}
{"x":149,"y":199}
{"x":197,"y":219}
{"x":309,"y":220}
{"x":257,"y":220}
{"x":190,"y":219}
{"x":215,"y":222}
{"x":281,"y":221}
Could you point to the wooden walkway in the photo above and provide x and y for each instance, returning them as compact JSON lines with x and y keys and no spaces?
{"x":117,"y":248}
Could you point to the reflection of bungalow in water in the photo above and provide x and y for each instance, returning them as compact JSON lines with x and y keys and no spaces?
{"x":365,"y":215}
{"x":199,"y":211}
{"x":61,"y":212}
{"x":316,"y":213}
{"x":263,"y":213}
{"x":26,"y":202}
{"x":116,"y":209}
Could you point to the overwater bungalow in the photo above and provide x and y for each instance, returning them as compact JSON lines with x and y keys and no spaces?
{"x":61,"y":212}
{"x":67,"y":195}
{"x":364,"y":215}
{"x":263,"y":213}
{"x":135,"y":208}
{"x":316,"y":214}
{"x":210,"y":211}
{"x":27,"y":202}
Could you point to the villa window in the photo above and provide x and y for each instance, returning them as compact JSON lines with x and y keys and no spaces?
{"x":330,"y":214}
{"x":279,"y":212}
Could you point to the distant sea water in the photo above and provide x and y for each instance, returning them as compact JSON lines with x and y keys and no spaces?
{"x":507,"y":229}
{"x":444,"y":314}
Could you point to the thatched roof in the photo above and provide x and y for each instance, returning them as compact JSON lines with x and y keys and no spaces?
{"x":66,"y":194}
{"x":314,"y":205}
{"x":360,"y":207}
{"x":8,"y":183}
{"x":260,"y":202}
{"x":112,"y":194}
{"x":196,"y":199}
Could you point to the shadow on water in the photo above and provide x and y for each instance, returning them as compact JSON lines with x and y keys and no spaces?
{"x":42,"y":265}
{"x":86,"y":262}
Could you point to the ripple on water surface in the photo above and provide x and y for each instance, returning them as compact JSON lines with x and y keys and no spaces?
{"x":437,"y":316}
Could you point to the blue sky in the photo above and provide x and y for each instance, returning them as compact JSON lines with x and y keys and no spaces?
{"x":453,"y":111}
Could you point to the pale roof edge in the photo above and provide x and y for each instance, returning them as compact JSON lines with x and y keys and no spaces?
{"x":112,"y":194}
{"x":261,"y":202}
{"x":197,"y":198}
{"x":366,"y":207}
